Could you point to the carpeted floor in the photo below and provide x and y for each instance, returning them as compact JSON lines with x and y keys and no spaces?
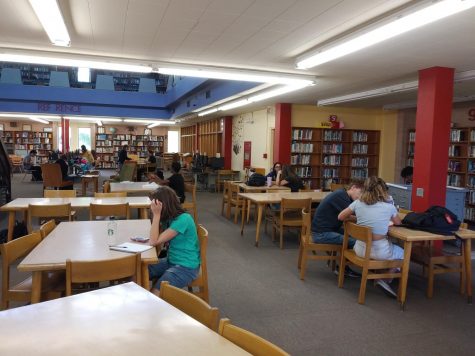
{"x":259,"y":289}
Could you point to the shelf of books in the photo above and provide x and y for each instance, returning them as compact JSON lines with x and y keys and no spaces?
{"x":21,"y":142}
{"x":109,"y":145}
{"x":461,"y":164}
{"x":323,"y":156}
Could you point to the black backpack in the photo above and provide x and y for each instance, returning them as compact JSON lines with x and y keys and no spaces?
{"x":257,"y":180}
{"x":18,"y":230}
{"x":436,"y":219}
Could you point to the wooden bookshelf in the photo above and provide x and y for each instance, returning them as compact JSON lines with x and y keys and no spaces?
{"x":21,"y":142}
{"x":323,"y":156}
{"x":210,"y":137}
{"x":188,"y":139}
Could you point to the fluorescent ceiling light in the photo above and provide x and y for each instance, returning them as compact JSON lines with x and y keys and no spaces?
{"x":403,"y":23}
{"x":71,"y":62}
{"x":234,"y":104}
{"x":140,"y":121}
{"x":207,"y":112}
{"x":38,"y":120}
{"x":241,"y":75}
{"x":84,"y":75}
{"x":154,"y":125}
{"x":49,"y":14}
{"x":89,"y":118}
{"x":29,"y":116}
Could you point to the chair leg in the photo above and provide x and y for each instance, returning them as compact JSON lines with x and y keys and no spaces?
{"x":301,"y":251}
{"x":303,"y":266}
{"x":430,"y":281}
{"x":281,"y":237}
{"x":364,"y":280}
{"x":341,"y":275}
{"x":333,"y":264}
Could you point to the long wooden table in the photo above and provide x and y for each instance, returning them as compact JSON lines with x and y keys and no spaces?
{"x":133,"y":187}
{"x":251,"y":189}
{"x":262,"y":199}
{"x":21,"y":205}
{"x":120,"y":320}
{"x":83,"y":241}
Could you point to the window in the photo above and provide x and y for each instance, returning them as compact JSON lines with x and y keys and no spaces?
{"x":60,"y":139}
{"x":84,"y":137}
{"x":172,"y":141}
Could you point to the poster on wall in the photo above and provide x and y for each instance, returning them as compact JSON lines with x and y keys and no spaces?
{"x":247,"y":154}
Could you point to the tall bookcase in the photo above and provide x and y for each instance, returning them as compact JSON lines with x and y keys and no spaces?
{"x":461,"y":165}
{"x":210,"y":137}
{"x":21,"y":142}
{"x":109,"y":145}
{"x":188,"y":139}
{"x":322,"y":156}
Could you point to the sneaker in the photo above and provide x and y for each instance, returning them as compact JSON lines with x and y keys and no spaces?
{"x":386,"y":288}
{"x":348,"y":272}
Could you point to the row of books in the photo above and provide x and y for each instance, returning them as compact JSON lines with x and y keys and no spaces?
{"x":329,"y":135}
{"x":302,"y":147}
{"x":360,"y":162}
{"x":104,"y":149}
{"x":360,"y":173}
{"x":300,"y":134}
{"x":333,"y":148}
{"x":457,"y":135}
{"x":360,"y":149}
{"x":303,"y":172}
{"x":455,"y":166}
{"x":412,"y":136}
{"x":471,"y":182}
{"x":300,"y":159}
{"x":360,"y":137}
{"x":33,"y":147}
{"x":332,"y":160}
{"x":330,"y":173}
{"x":454,"y":180}
{"x":454,"y":151}
{"x":469,"y":214}
{"x":471,"y":197}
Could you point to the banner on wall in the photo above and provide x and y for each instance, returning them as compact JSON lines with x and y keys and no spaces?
{"x":247,"y":154}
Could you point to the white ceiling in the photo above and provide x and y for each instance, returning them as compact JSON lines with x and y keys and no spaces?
{"x":259,"y":34}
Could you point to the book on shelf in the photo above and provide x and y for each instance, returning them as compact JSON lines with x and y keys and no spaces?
{"x":332,"y":160}
{"x":360,"y":149}
{"x":330,"y":135}
{"x":359,"y":136}
{"x":333,"y":148}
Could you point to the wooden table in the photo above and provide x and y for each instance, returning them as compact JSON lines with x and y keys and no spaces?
{"x":88,"y":178}
{"x":133,"y":187}
{"x":120,"y":320}
{"x":467,"y":236}
{"x":408,"y":236}
{"x":262,"y":199}
{"x":83,"y":241}
{"x":21,"y":205}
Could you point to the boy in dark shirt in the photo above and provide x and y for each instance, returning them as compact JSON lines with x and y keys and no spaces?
{"x":175,"y":181}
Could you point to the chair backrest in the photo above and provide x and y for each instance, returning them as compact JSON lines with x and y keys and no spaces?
{"x":191,"y":188}
{"x":190,"y":304}
{"x":260,"y":171}
{"x":48,"y":211}
{"x":110,"y":195}
{"x":203,"y":237}
{"x":225,"y":172}
{"x":52,"y":176}
{"x":127,"y":172}
{"x":118,"y":210}
{"x":47,"y":227}
{"x":100,"y":271}
{"x":288,"y":204}
{"x":12,"y":251}
{"x":225,"y":189}
{"x":49,"y":193}
{"x":248,"y":341}
{"x":358,"y":232}
{"x":306,"y":230}
{"x":336,"y":186}
{"x":106,"y":188}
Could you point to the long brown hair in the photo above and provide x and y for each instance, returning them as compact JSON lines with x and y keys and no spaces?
{"x":287,"y":172}
{"x":171,"y":207}
{"x":375,"y":190}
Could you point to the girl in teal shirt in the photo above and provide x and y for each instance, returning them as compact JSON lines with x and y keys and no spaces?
{"x":182,"y":264}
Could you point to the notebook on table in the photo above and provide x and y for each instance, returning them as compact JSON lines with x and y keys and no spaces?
{"x":131,"y":247}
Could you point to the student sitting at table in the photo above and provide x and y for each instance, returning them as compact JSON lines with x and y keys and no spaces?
{"x":373,"y":209}
{"x":287,"y":178}
{"x":178,"y":228}
{"x":275,"y":170}
{"x":29,"y":163}
{"x":175,"y":181}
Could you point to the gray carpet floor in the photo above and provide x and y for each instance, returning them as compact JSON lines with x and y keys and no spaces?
{"x":259,"y":289}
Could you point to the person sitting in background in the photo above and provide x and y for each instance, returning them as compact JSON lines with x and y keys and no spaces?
{"x":29,"y":163}
{"x":63,"y":163}
{"x":406,"y":174}
{"x":123,"y":156}
{"x":175,"y":181}
{"x":151,"y":156}
{"x":182,"y":264}
{"x":275,"y":170}
{"x":85,"y":154}
{"x":287,"y":178}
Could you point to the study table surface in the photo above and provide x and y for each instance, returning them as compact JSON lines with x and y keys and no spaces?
{"x":262,"y":199}
{"x":120,"y":320}
{"x":21,"y":204}
{"x":83,"y":241}
{"x":133,"y":187}
{"x":251,"y":189}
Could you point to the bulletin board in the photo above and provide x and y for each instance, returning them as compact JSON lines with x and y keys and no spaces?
{"x":247,"y":154}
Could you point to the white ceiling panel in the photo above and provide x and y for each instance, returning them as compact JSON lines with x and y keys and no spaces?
{"x":268,"y":9}
{"x":232,"y":6}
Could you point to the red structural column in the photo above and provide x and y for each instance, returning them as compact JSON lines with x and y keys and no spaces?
{"x":65,"y":134}
{"x":282,"y":135}
{"x":227,"y":141}
{"x":434,"y":110}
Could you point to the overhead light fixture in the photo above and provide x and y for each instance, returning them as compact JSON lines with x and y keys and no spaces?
{"x":154,"y":125}
{"x":49,"y":14}
{"x":29,"y":116}
{"x":236,"y":74}
{"x":403,"y":23}
{"x":84,"y":75}
{"x":139,"y":121}
{"x":207,"y":112}
{"x":234,"y":104}
{"x":38,"y":120}
{"x":90,"y":118}
{"x":71,"y":62}
{"x":99,"y":123}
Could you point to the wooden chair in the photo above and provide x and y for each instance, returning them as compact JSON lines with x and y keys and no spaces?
{"x":48,"y":193}
{"x":248,"y":341}
{"x":290,"y":215}
{"x":106,"y":188}
{"x":21,"y":292}
{"x":47,"y":227}
{"x":336,"y":186}
{"x":110,"y":195}
{"x":369,"y":266}
{"x":53,"y":177}
{"x":191,"y":205}
{"x":309,"y":250}
{"x":102,"y":210}
{"x":16,"y":163}
{"x":201,"y":282}
{"x":100,"y":271}
{"x":225,"y":199}
{"x":222,"y":176}
{"x":260,"y":171}
{"x":235,"y":200}
{"x":127,"y":172}
{"x":190,"y":304}
{"x":49,"y":211}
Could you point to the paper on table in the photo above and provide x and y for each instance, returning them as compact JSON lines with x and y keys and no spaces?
{"x":130,"y":247}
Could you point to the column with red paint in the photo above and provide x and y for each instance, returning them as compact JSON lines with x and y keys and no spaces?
{"x":282,"y":133}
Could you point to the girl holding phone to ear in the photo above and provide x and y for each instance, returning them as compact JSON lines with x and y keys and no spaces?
{"x":182,"y":264}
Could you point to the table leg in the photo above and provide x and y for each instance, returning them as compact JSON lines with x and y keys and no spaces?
{"x":143,"y":212}
{"x":468,"y":268}
{"x":243,"y":216}
{"x":248,"y":210}
{"x":259,"y":219}
{"x":145,"y":277}
{"x":11,"y":225}
{"x":404,"y":274}
{"x":96,"y":184}
{"x":36,"y":287}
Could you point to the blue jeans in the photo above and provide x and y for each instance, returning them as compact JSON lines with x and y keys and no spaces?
{"x":177,"y":276}
{"x":331,"y":237}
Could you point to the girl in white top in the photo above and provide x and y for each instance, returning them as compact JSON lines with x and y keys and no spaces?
{"x":373,"y":210}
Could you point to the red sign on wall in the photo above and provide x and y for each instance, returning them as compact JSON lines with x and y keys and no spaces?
{"x":247,"y":154}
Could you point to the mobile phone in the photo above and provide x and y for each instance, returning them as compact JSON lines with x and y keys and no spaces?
{"x":139,"y":239}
